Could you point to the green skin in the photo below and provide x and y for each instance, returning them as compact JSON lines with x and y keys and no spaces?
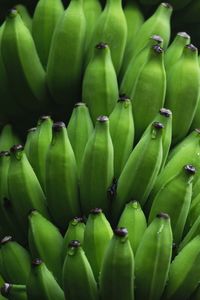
{"x":184,"y":274}
{"x":16,"y":292}
{"x":134,"y":220}
{"x":98,"y":233}
{"x":96,"y":177}
{"x":8,"y":138}
{"x":42,"y":285}
{"x":140,"y":172}
{"x":29,"y":141}
{"x":116,"y":279}
{"x":152,"y":260}
{"x":14,"y":257}
{"x":80,"y":128}
{"x":24,"y":13}
{"x":78,"y":279}
{"x":46,"y":16}
{"x":43,"y":235}
{"x":26,"y":75}
{"x":186,"y":71}
{"x":174,"y":198}
{"x":193,"y":231}
{"x":193,"y":214}
{"x":122,"y":133}
{"x":62,"y":180}
{"x":111,"y":28}
{"x":67,"y":49}
{"x":100,"y":87}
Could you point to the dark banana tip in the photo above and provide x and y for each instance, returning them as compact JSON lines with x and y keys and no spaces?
{"x":162,"y":215}
{"x":101,"y":46}
{"x":58,"y":126}
{"x":32,"y":211}
{"x":95,"y":211}
{"x":16,"y":148}
{"x":157,"y":49}
{"x":102,"y":119}
{"x":4,"y":153}
{"x":123,"y":98}
{"x":167,"y":5}
{"x":157,"y":38}
{"x":6,"y":239}
{"x":78,"y":219}
{"x":121,"y":232}
{"x":12,"y":12}
{"x":191,"y":47}
{"x":44,"y":118}
{"x":183,"y":35}
{"x":31,"y":129}
{"x":5,"y":289}
{"x":80,"y":104}
{"x":158,"y":125}
{"x":36,"y":262}
{"x":165,"y":112}
{"x":74,"y":244}
{"x":190,"y":170}
{"x":197,"y":130}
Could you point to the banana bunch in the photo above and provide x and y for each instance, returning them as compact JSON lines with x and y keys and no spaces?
{"x":99,"y":153}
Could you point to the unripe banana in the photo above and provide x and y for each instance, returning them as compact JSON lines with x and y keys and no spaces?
{"x":152,"y":259}
{"x":175,"y":50}
{"x":22,"y":64}
{"x":134,"y":220}
{"x":79,"y":130}
{"x":97,"y":235}
{"x":15,"y":261}
{"x":45,"y":241}
{"x":100,"y":87}
{"x":24,"y":14}
{"x":122,"y":132}
{"x":111,"y":28}
{"x":192,"y":233}
{"x":140,"y":171}
{"x":96,"y":177}
{"x":78,"y":279}
{"x":75,"y":231}
{"x":64,"y":68}
{"x":174,"y":198}
{"x":193,"y":214}
{"x":184,"y":274}
{"x":14,"y":291}
{"x":186,"y":71}
{"x":41,"y":284}
{"x":8,"y":138}
{"x":46,"y":16}
{"x":116,"y":279}
{"x":61,"y":178}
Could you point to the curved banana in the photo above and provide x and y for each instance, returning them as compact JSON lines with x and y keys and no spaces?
{"x":134,"y":220}
{"x":28,"y":142}
{"x":65,"y":62}
{"x":41,"y":284}
{"x":193,"y":214}
{"x":14,"y":291}
{"x":79,"y":128}
{"x":122,"y":132}
{"x":152,"y":259}
{"x":100,"y":87}
{"x":116,"y":280}
{"x":174,"y":198}
{"x":78,"y":279}
{"x":97,"y":235}
{"x":140,"y":171}
{"x":25,"y":15}
{"x":8,"y":137}
{"x":15,"y":261}
{"x":96,"y":177}
{"x":61,"y":178}
{"x":190,"y":234}
{"x":45,"y":241}
{"x":45,"y":18}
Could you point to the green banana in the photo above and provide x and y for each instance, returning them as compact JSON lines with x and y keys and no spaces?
{"x":122,"y":132}
{"x":152,"y":259}
{"x":116,"y":279}
{"x":134,"y":220}
{"x":61,"y":178}
{"x":46,"y":16}
{"x":25,"y":15}
{"x":15,"y":261}
{"x":194,"y":213}
{"x":111,"y":28}
{"x":41,"y":284}
{"x":79,"y":128}
{"x":24,"y":190}
{"x":186,"y":71}
{"x":100,"y":87}
{"x":96,"y":177}
{"x":23,"y":67}
{"x":65,"y":62}
{"x":45,"y":241}
{"x":8,"y":137}
{"x":184,"y":273}
{"x":75,"y":231}
{"x":140,"y":171}
{"x":97,"y":235}
{"x":175,"y":50}
{"x":192,"y":233}
{"x":28,"y":141}
{"x":78,"y":279}
{"x":174,"y":198}
{"x":14,"y":291}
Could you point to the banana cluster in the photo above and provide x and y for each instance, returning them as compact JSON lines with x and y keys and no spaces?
{"x":101,"y":199}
